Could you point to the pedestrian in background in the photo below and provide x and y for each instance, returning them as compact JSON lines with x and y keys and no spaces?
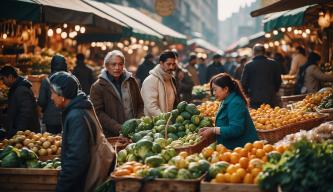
{"x":51,"y":114}
{"x":261,"y":79}
{"x":83,"y":73}
{"x":202,"y":70}
{"x":143,"y":69}
{"x":192,"y":69}
{"x":215,"y":67}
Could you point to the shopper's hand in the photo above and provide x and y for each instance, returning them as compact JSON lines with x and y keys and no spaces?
{"x":203,"y":129}
{"x":206,"y":132}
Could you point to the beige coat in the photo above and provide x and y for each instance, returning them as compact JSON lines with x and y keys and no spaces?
{"x":297,"y":61}
{"x":313,"y":77}
{"x":154,"y":92}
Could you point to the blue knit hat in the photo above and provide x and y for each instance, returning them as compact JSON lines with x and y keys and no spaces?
{"x":65,"y":84}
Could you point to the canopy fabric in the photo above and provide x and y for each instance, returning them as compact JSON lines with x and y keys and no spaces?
{"x":284,"y":5}
{"x":168,"y":33}
{"x":204,"y":44}
{"x":26,"y":10}
{"x":138,"y":30}
{"x":290,"y":18}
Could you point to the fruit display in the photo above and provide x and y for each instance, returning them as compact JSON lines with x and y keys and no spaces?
{"x":3,"y":91}
{"x":306,"y":166}
{"x":288,"y":80}
{"x":11,"y":157}
{"x":267,"y":118}
{"x":187,"y":140}
{"x":182,"y":166}
{"x":209,"y":109}
{"x":311,"y":101}
{"x":41,"y":144}
{"x":322,"y":133}
{"x":326,"y":103}
{"x":241,"y":165}
{"x":200,"y":91}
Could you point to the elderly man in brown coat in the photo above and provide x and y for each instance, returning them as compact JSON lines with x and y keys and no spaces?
{"x":116,"y":95}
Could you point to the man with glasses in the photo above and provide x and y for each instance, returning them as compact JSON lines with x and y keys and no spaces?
{"x":159,"y":90}
{"x":22,"y":107}
{"x":116,"y":95}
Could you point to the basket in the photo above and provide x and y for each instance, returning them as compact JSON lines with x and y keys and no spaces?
{"x":24,"y":180}
{"x":135,"y":184}
{"x":47,"y":157}
{"x":119,"y":143}
{"x":286,"y":100}
{"x":228,"y":187}
{"x":275,"y":135}
{"x":197,"y":148}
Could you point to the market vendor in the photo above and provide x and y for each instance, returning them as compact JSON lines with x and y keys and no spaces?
{"x":234,"y":126}
{"x":22,"y":107}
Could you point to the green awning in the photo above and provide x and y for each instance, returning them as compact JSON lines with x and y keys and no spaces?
{"x":292,"y":18}
{"x":23,"y":10}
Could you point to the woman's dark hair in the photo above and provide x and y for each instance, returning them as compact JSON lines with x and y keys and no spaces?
{"x":301,"y":50}
{"x":168,"y":54}
{"x":8,"y":70}
{"x":225,"y":80}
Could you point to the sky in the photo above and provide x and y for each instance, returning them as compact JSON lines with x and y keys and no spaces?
{"x":227,"y":7}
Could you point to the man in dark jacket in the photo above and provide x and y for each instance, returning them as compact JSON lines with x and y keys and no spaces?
{"x":215,"y":68}
{"x":22,"y":108}
{"x":116,"y":95}
{"x":184,"y":84}
{"x":83,"y":73}
{"x":202,"y":71}
{"x":75,"y":151}
{"x":51,"y":114}
{"x":143,"y":69}
{"x":261,"y":78}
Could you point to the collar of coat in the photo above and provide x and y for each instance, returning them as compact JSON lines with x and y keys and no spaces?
{"x":159,"y":73}
{"x":225,"y":102}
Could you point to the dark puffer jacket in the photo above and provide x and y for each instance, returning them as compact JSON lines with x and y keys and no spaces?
{"x":22,"y":108}
{"x":75,"y":152}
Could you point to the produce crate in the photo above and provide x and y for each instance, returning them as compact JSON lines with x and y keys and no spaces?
{"x":228,"y":187}
{"x":135,"y":184}
{"x":286,"y":100}
{"x":329,"y":113}
{"x":197,"y":148}
{"x":48,"y":157}
{"x":275,"y":135}
{"x":119,"y":143}
{"x":28,"y":180}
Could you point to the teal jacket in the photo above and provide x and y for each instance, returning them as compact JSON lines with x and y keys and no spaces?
{"x":235,"y":123}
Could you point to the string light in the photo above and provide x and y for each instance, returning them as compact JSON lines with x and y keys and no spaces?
{"x":4,"y":36}
{"x":283,"y":29}
{"x":64,"y":35}
{"x":145,"y":48}
{"x":130,"y":51}
{"x":50,"y":32}
{"x":82,"y":30}
{"x":266,"y":46}
{"x":275,"y":32}
{"x":271,"y":44}
{"x":65,"y":25}
{"x":295,"y":31}
{"x":58,"y":30}
{"x":289,"y":29}
{"x":267,"y":35}
{"x":308,"y":31}
{"x":141,"y":41}
{"x":276,"y":43}
{"x":93,"y":44}
{"x":77,"y":27}
{"x":304,"y":35}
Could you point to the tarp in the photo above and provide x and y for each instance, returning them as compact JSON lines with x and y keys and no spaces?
{"x":290,"y":18}
{"x":26,"y":10}
{"x":204,"y":44}
{"x":139,"y":30}
{"x":169,"y":34}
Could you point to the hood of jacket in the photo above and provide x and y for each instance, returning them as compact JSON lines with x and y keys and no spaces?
{"x":20,"y":81}
{"x":58,"y":63}
{"x":81,"y":101}
{"x":159,"y":73}
{"x":104,"y":75}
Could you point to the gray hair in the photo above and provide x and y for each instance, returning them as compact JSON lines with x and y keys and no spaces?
{"x":111,"y":54}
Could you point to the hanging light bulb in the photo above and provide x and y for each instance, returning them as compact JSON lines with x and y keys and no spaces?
{"x":276,"y":43}
{"x":152,"y":43}
{"x":77,"y":27}
{"x":283,"y":29}
{"x":50,"y":32}
{"x":82,"y":30}
{"x":304,"y":35}
{"x":58,"y":30}
{"x":93,"y":44}
{"x":289,"y":29}
{"x":130,"y":51}
{"x":4,"y":36}
{"x":126,"y":42}
{"x":65,"y":25}
{"x":133,"y":40}
{"x":103,"y":48}
{"x":120,"y":45}
{"x":271,"y":44}
{"x":283,"y":42}
{"x":64,"y":35}
{"x":308,"y":31}
{"x":145,"y":48}
{"x":275,"y":32}
{"x":295,"y":31}
{"x":267,"y":35}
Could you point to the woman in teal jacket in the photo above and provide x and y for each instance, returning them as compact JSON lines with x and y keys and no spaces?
{"x":234,"y":126}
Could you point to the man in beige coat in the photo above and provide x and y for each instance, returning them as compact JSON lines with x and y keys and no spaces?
{"x":116,"y":95}
{"x":158,"y":90}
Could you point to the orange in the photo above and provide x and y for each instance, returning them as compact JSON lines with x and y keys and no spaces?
{"x":220,"y":148}
{"x":256,"y":180}
{"x":219,"y":178}
{"x":248,"y":179}
{"x":243,"y":152}
{"x":227,"y":177}
{"x":280,"y":149}
{"x":226,"y":156}
{"x":248,"y":146}
{"x":241,"y":172}
{"x":255,"y":171}
{"x":258,"y":144}
{"x":234,"y":158}
{"x":235,"y":178}
{"x":207,"y":152}
{"x":264,"y":158}
{"x":268,"y":148}
{"x":260,"y":153}
{"x":231,"y":169}
{"x":237,"y":150}
{"x":244,"y":162}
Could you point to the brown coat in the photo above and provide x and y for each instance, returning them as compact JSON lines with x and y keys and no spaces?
{"x":110,"y":108}
{"x":313,"y":77}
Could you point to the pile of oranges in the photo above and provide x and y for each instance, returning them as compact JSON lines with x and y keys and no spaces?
{"x":244,"y":163}
{"x":128,"y":169}
{"x":311,"y":101}
{"x":267,"y":118}
{"x":209,"y":109}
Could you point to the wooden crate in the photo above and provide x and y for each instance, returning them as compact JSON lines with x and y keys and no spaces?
{"x":132,"y":184}
{"x":48,"y":157}
{"x":24,"y":180}
{"x":228,"y":187}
